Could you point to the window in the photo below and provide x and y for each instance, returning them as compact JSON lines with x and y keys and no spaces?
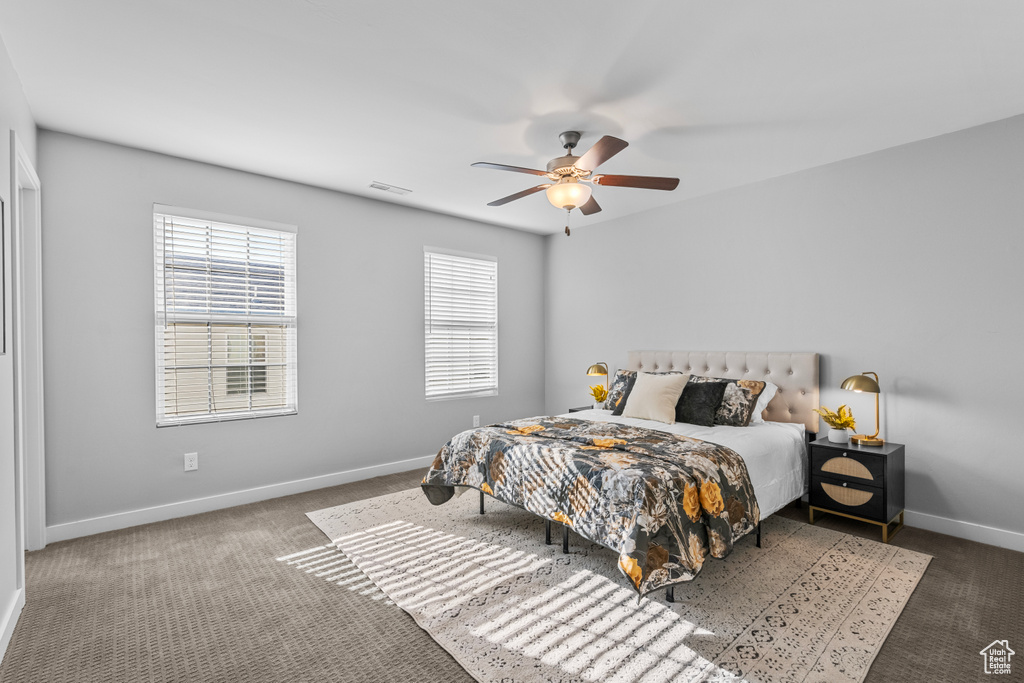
{"x":225,"y":317}
{"x":461,"y":324}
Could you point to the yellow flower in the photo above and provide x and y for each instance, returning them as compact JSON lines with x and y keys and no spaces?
{"x":561,"y":518}
{"x":628,"y":565}
{"x":599,"y":393}
{"x":841,"y":419}
{"x":608,"y":443}
{"x":486,"y":489}
{"x":526,"y":431}
{"x":711,"y":498}
{"x":691,"y":503}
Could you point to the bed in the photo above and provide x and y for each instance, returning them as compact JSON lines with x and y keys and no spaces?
{"x":665,"y":497}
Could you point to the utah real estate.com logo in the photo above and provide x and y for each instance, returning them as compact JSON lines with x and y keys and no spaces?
{"x":997,"y":657}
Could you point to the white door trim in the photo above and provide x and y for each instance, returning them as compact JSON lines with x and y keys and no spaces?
{"x":26,"y":248}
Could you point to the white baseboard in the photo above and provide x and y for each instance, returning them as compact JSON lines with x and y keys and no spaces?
{"x":159,"y":513}
{"x":10,"y":619}
{"x":1013,"y":540}
{"x":1003,"y":538}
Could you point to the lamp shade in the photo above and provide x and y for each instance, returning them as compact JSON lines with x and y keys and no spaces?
{"x":861,"y":383}
{"x":598,"y":369}
{"x":568,"y":193}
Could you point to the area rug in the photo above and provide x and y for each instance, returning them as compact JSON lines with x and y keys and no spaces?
{"x":810,"y":605}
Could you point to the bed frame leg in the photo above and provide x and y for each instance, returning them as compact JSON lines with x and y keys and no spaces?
{"x":565,"y":539}
{"x":481,"y":502}
{"x":759,"y":534}
{"x":670,"y":594}
{"x":547,"y":532}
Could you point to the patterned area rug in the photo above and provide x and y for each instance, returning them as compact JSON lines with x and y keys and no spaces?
{"x":810,"y":605}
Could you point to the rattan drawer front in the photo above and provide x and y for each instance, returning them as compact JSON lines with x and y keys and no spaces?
{"x":848,"y":465}
{"x":844,"y":496}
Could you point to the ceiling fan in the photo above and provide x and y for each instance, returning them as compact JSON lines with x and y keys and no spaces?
{"x":569,"y":175}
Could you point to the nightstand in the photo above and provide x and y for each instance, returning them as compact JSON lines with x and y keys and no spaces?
{"x":576,"y":410}
{"x":860,"y":482}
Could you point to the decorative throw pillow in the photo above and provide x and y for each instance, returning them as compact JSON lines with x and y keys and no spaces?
{"x":738,"y":401}
{"x":762,"y":402}
{"x":620,"y":404}
{"x":654,"y":396}
{"x":618,"y":391}
{"x":699,"y":402}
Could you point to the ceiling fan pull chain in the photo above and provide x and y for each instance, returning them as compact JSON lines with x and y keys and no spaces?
{"x":568,"y":213}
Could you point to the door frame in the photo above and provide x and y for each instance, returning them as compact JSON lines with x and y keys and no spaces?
{"x":27,"y":338}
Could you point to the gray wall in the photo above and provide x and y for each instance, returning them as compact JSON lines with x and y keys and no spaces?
{"x":14,"y":114}
{"x":360,"y":303}
{"x":906,"y":262}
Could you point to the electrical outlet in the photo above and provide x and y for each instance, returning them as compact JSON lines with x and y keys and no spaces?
{"x":476,"y":420}
{"x":191,"y":462}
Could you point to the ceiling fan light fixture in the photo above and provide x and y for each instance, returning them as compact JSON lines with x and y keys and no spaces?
{"x":568,"y":193}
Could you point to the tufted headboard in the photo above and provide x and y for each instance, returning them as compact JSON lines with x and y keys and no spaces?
{"x":796,"y":375}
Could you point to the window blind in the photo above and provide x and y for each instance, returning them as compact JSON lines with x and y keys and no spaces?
{"x":225,"y":319}
{"x":461,"y":325}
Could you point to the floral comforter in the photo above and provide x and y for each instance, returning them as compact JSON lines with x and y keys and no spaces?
{"x":663,"y":502}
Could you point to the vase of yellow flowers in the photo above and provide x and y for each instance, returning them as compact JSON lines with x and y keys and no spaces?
{"x":600,"y":393}
{"x":840,"y":423}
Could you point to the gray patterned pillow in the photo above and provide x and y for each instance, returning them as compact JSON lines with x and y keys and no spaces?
{"x":619,"y":390}
{"x":738,"y":400}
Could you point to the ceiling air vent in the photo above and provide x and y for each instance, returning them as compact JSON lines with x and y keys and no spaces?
{"x":389,"y":188}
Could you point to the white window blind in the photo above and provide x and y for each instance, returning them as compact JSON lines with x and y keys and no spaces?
{"x":225,"y":318}
{"x":461,"y":325}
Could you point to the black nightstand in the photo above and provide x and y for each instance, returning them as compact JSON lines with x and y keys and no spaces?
{"x":576,"y":410}
{"x":860,"y":482}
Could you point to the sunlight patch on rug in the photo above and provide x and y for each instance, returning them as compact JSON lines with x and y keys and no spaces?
{"x":812,"y":604}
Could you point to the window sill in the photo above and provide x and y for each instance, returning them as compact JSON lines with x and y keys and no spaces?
{"x":226,"y":417}
{"x":431,"y":399}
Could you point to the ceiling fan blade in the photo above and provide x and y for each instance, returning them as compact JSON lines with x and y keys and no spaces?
{"x":504,"y":167}
{"x":519,"y":195}
{"x":603,"y":150}
{"x":590,"y":207}
{"x":645,"y":182}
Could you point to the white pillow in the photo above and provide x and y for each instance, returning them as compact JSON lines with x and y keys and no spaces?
{"x":762,"y":402}
{"x":654,"y":396}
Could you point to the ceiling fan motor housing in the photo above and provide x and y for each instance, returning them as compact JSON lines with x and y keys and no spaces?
{"x":566,"y":166}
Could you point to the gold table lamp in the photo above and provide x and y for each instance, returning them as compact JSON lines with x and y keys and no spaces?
{"x":599,"y":369}
{"x":862,"y":383}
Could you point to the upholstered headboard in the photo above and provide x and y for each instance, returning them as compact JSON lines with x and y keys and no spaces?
{"x":796,"y":375}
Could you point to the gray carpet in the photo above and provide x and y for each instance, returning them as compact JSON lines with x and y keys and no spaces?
{"x":205,"y":598}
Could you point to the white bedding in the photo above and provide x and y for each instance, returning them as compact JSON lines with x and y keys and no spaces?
{"x":775,"y":452}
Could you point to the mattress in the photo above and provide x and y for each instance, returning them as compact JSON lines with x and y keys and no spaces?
{"x":775,"y":452}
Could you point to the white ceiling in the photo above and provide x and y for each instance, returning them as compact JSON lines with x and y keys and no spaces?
{"x":339,"y":93}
